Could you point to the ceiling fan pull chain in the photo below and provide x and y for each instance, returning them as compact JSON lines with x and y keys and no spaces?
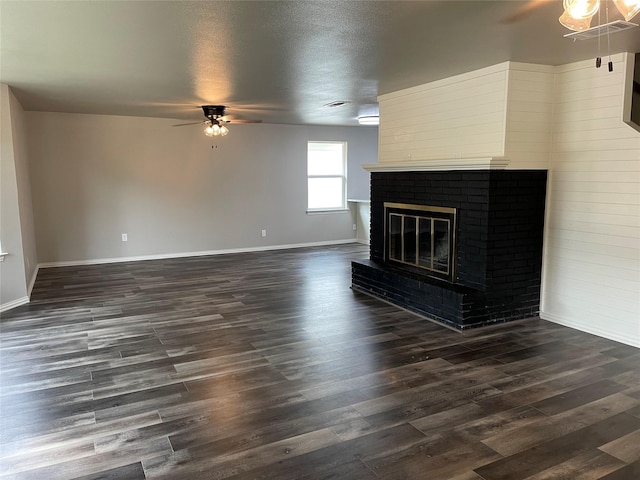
{"x":599,"y":58}
{"x":608,"y":39}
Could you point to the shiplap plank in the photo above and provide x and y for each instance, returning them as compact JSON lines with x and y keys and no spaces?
{"x":613,"y":209}
{"x":584,"y":175}
{"x":601,"y":297}
{"x":604,"y":145}
{"x":595,"y":186}
{"x":607,"y":134}
{"x":614,"y":275}
{"x":602,"y":157}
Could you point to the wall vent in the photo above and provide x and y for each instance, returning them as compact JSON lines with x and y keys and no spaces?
{"x":600,"y":30}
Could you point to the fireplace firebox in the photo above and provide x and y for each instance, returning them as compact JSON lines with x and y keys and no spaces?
{"x":421,"y":239}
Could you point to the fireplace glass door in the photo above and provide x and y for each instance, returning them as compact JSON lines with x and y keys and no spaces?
{"x":421,"y":237}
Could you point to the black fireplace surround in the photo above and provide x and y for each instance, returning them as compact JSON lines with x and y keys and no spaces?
{"x":498,"y":245}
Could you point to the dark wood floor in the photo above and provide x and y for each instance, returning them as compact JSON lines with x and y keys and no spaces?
{"x":267,"y":366}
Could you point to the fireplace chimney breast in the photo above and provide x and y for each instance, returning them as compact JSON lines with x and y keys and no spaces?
{"x":498,"y":245}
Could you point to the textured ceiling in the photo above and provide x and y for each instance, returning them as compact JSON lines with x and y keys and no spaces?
{"x":276,"y":61}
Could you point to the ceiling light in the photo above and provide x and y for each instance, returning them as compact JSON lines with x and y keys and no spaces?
{"x":369,"y":120}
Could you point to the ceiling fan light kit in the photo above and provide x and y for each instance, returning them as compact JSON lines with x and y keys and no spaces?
{"x":216,"y":122}
{"x":216,"y":129}
{"x":577,"y":15}
{"x":216,"y":125}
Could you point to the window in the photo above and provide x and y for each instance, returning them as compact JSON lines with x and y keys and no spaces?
{"x":327,"y":176}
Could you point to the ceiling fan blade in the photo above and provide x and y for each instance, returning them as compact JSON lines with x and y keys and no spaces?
{"x":241,"y":120}
{"x":524,"y":11}
{"x":190,"y":123}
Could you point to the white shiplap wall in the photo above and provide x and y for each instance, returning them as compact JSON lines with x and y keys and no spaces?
{"x":461,"y":116}
{"x":591,"y":278}
{"x":499,"y":111}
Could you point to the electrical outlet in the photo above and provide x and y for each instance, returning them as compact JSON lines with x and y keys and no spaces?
{"x":355,"y":227}
{"x":125,"y":238}
{"x":264,"y":233}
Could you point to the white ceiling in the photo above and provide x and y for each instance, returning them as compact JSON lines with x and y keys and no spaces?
{"x":276,"y":61}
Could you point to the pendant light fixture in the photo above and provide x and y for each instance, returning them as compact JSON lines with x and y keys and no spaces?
{"x":577,"y":14}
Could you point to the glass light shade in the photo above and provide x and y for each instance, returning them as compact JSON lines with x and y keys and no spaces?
{"x":209,"y":131}
{"x":581,"y":9}
{"x":628,"y":8}
{"x":216,"y":129}
{"x":223,"y":130}
{"x":575,"y":24}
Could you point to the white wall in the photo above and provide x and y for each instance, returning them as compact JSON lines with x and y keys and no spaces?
{"x":18,"y":270}
{"x":529,"y":116}
{"x":591,"y":275}
{"x":499,"y":111}
{"x":461,"y":116}
{"x":95,"y":177}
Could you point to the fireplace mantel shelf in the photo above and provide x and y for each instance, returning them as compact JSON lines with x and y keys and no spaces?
{"x":483,"y":163}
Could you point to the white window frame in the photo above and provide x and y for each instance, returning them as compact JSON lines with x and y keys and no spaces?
{"x":343,"y":176}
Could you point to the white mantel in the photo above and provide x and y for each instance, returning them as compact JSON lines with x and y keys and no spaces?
{"x":444,"y":164}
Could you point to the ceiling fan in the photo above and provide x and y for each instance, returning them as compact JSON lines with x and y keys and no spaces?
{"x":217,"y":120}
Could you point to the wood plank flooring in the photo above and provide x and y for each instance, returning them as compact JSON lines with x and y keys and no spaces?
{"x":268,"y":366}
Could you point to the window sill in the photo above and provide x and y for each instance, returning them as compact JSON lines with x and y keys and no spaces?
{"x":328,"y":211}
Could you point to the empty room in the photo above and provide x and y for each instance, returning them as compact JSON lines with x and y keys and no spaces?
{"x":320,"y":239}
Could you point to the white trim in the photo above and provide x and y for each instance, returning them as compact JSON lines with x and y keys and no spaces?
{"x":324,"y":211}
{"x":443,"y":164}
{"x":2,"y":255}
{"x":590,"y":329}
{"x":13,"y":304}
{"x":163,"y":256}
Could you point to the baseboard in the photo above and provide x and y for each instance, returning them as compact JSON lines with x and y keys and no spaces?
{"x":13,"y":304}
{"x":164,"y":256}
{"x":634,"y":342}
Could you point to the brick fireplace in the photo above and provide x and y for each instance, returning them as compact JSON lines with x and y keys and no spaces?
{"x":495,"y":245}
